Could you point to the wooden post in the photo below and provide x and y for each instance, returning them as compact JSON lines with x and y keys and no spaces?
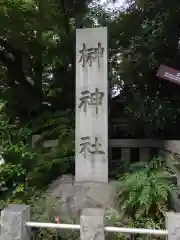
{"x":126,"y":158}
{"x":144,"y":154}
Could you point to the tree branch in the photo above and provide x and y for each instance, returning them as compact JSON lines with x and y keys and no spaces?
{"x":15,"y":65}
{"x":67,"y":27}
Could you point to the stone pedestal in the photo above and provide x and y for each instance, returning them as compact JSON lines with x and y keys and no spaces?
{"x":173,"y":225}
{"x":92,"y":224}
{"x":13,"y":219}
{"x":73,"y":197}
{"x":92,"y":194}
{"x":91,"y":188}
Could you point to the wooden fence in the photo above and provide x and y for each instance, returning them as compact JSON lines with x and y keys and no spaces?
{"x":128,"y":150}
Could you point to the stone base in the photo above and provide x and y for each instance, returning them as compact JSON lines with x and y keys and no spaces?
{"x":174,"y":201}
{"x":72,"y":197}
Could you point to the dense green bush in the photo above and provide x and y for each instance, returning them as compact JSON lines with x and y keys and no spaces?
{"x":28,"y":169}
{"x":144,"y":193}
{"x":143,"y":196}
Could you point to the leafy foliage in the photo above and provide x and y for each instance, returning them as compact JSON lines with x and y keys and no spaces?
{"x":27,"y":169}
{"x":46,"y":208}
{"x":142,"y":199}
{"x":144,"y":193}
{"x":37,"y":86}
{"x":145,"y":42}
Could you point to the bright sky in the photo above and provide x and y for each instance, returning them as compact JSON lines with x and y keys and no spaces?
{"x":117,"y":4}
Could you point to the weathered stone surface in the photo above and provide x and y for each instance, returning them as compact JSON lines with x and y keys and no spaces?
{"x":13,"y":219}
{"x":91,"y":164}
{"x":172,"y":146}
{"x":92,"y":224}
{"x":63,"y":184}
{"x":73,"y":198}
{"x":174,"y":201}
{"x":101,"y":193}
{"x":173,"y":225}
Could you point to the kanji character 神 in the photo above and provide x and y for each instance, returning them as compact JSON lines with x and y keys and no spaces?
{"x":92,"y":99}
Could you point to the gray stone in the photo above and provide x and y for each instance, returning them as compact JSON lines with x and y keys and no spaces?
{"x":95,"y":194}
{"x":173,"y":225}
{"x":80,"y":195}
{"x":101,"y":193}
{"x":174,"y":201}
{"x":62,"y":187}
{"x":92,"y":224}
{"x":13,"y":219}
{"x":73,"y":198}
{"x":91,"y":164}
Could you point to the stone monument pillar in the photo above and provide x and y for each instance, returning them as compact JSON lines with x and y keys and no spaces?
{"x":91,"y":158}
{"x":90,"y":188}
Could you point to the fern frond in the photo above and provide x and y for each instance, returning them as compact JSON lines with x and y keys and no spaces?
{"x":161,"y":189}
{"x":139,"y":213}
{"x":162,"y":208}
{"x":146,"y":191}
{"x":145,"y":198}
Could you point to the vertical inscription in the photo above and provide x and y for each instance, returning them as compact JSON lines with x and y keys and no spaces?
{"x":91,"y":99}
{"x":88,"y":55}
{"x":91,"y":105}
{"x":87,"y":147}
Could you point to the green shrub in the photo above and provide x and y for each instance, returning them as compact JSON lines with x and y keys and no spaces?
{"x":143,"y":197}
{"x":145,"y":193}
